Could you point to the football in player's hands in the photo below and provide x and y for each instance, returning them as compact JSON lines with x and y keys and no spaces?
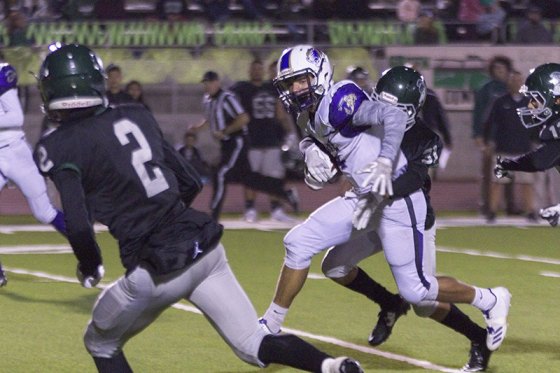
{"x":551,"y":214}
{"x":90,"y":280}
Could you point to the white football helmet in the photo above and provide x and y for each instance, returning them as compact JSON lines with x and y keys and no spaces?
{"x":298,"y":61}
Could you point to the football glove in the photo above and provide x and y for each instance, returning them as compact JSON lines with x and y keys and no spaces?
{"x":90,"y":280}
{"x":311,"y":182}
{"x":364,"y":209}
{"x":499,"y":170}
{"x":551,"y":214}
{"x":319,"y":165}
{"x":380,"y":172}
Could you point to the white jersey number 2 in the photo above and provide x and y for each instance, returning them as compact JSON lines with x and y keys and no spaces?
{"x":152,"y":185}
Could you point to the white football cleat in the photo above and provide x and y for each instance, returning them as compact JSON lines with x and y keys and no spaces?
{"x":251,"y":216}
{"x":496,"y":318}
{"x":341,"y":364}
{"x":278,"y":214}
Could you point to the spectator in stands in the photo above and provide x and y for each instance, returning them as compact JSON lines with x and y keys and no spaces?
{"x":115,"y":94}
{"x":16,"y":25}
{"x":351,"y":9}
{"x":532,"y":30}
{"x":36,"y":9}
{"x":172,"y":10}
{"x":110,"y":10}
{"x":550,"y":8}
{"x":469,"y":12}
{"x":216,"y":11}
{"x":192,"y":154}
{"x":499,"y":67}
{"x":490,"y":25}
{"x":408,"y":10}
{"x":508,"y":137}
{"x":426,"y":32}
{"x":136,"y":91}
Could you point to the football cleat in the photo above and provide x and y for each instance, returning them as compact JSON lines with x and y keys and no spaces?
{"x":386,"y":321}
{"x":479,"y":357}
{"x":341,"y":364}
{"x":293,"y":199}
{"x":3,"y":278}
{"x":251,"y":216}
{"x":496,"y":318}
{"x":279,"y":215}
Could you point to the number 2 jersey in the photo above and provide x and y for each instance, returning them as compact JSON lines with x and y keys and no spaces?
{"x":134,"y":182}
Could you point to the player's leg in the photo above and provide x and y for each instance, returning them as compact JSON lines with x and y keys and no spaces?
{"x":23,"y":172}
{"x":223,"y":301}
{"x":3,"y":277}
{"x":230,"y":152}
{"x":341,"y":265}
{"x":329,"y":225}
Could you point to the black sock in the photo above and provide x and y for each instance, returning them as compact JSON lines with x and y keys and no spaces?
{"x":115,"y":364}
{"x":289,"y":350}
{"x":365,"y":285}
{"x":249,"y":204}
{"x":274,"y":205}
{"x":462,"y":324}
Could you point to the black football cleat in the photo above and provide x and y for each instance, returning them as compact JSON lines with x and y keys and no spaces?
{"x":386,"y":321}
{"x":293,"y":199}
{"x":345,"y":365}
{"x":479,"y":357}
{"x":3,"y":278}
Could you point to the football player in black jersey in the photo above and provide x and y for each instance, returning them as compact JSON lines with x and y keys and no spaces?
{"x":422,"y":148}
{"x":542,"y":87}
{"x":113,"y":166}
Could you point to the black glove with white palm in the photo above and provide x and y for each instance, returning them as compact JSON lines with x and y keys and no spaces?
{"x":90,"y":279}
{"x":380,"y":177}
{"x":319,"y":168}
{"x":499,"y":170}
{"x":551,"y":214}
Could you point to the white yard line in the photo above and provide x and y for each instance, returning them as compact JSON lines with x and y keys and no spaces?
{"x":550,"y":274}
{"x":335,"y":341}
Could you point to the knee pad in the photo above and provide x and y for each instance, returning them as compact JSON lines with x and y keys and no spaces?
{"x":298,"y":253}
{"x":96,"y":345}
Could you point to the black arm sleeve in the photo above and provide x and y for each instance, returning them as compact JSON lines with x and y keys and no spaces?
{"x":189,"y":180}
{"x":543,"y":158}
{"x":411,"y":180}
{"x":80,"y":230}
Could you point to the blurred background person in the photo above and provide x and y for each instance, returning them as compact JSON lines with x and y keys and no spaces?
{"x":136,"y":91}
{"x":360,"y":76}
{"x":115,"y":93}
{"x":425,"y":31}
{"x":532,"y":30}
{"x":408,"y":10}
{"x":192,"y":154}
{"x":507,"y":137}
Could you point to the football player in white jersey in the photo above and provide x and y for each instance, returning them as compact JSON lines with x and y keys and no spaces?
{"x":542,"y":86}
{"x":16,"y":159}
{"x":363,"y":137}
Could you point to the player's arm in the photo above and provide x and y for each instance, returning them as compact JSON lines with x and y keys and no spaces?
{"x":11,"y":114}
{"x":188,"y":178}
{"x":540,"y":159}
{"x":79,"y":228}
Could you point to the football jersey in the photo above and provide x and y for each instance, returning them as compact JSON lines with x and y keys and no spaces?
{"x":260,"y":103}
{"x":354,"y":148}
{"x":128,"y":186}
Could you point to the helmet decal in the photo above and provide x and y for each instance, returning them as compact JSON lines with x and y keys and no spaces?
{"x":347,"y":104}
{"x":389,"y":98}
{"x":555,"y":81}
{"x":313,"y":56}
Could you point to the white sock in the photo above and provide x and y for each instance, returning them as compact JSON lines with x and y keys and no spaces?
{"x":484,"y":299}
{"x":275,"y":316}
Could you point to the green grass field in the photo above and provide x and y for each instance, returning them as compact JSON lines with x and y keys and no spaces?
{"x":42,"y":317}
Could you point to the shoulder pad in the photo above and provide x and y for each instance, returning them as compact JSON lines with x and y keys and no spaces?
{"x":345,"y":99}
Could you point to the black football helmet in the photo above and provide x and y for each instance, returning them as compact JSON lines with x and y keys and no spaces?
{"x":542,"y":87}
{"x":403,"y":87}
{"x":72,"y":77}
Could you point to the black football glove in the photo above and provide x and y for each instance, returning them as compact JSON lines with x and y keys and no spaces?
{"x":499,"y":170}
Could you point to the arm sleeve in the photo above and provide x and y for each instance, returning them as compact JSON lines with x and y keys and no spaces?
{"x":11,"y":114}
{"x":541,"y":159}
{"x":188,"y":178}
{"x":393,"y":120}
{"x":80,"y":230}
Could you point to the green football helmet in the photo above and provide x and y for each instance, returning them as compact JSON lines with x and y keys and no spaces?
{"x":542,"y":87}
{"x":71,"y":77}
{"x":403,"y":87}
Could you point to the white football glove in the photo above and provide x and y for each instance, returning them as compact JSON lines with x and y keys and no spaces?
{"x":380,"y":172}
{"x":499,"y":170}
{"x":364,"y":209}
{"x":319,"y":165}
{"x":311,"y":182}
{"x":551,"y":214}
{"x":90,"y":281}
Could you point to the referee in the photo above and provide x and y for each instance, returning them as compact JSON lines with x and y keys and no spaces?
{"x":228,"y":123}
